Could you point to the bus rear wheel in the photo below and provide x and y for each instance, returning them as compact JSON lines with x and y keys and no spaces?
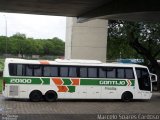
{"x":127,"y":96}
{"x":35,"y":96}
{"x":50,"y":96}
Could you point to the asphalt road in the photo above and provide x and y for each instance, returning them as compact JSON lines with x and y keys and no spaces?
{"x":75,"y":109}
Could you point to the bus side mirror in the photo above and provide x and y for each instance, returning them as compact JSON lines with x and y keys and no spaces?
{"x":153,"y":77}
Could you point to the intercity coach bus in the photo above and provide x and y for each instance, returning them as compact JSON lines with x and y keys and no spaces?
{"x":75,"y":79}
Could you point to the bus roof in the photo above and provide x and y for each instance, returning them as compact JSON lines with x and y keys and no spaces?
{"x":70,"y":62}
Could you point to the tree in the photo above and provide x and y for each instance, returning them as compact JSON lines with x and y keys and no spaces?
{"x":19,"y":42}
{"x":58,"y":46}
{"x":3,"y":44}
{"x":117,"y":44}
{"x":143,"y":37}
{"x":54,"y":46}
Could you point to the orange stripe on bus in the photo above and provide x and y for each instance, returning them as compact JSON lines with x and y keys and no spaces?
{"x":75,"y":81}
{"x":62,"y":88}
{"x":129,"y":82}
{"x":44,"y":62}
{"x":57,"y":81}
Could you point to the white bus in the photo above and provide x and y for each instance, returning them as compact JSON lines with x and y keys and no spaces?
{"x":75,"y":79}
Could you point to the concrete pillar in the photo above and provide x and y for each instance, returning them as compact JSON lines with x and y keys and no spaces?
{"x":86,"y":40}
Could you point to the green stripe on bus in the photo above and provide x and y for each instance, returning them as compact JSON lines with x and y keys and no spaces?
{"x":71,"y":88}
{"x":107,"y":82}
{"x":43,"y":81}
{"x":132,"y":82}
{"x":46,"y":81}
{"x":89,"y":82}
{"x":66,"y":81}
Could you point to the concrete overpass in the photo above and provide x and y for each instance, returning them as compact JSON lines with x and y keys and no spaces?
{"x":87,"y":9}
{"x":87,"y":40}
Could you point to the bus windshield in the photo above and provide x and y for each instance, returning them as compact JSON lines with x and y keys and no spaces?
{"x":143,"y":79}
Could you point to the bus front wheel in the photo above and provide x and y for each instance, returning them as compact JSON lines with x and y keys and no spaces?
{"x":127,"y":96}
{"x":50,"y":96}
{"x":35,"y":96}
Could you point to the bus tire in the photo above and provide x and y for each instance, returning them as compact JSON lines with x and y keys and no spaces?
{"x":35,"y":96}
{"x":127,"y":96}
{"x":50,"y":96}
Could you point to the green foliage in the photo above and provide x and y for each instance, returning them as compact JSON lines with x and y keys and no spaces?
{"x":0,"y":84}
{"x":2,"y":44}
{"x":117,"y":44}
{"x":146,"y":34}
{"x":1,"y":64}
{"x":20,"y":44}
{"x":119,"y":48}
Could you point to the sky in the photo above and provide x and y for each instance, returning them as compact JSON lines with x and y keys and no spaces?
{"x":35,"y":26}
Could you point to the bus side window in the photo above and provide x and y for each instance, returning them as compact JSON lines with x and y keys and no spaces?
{"x":111,"y":72}
{"x":46,"y":71}
{"x":13,"y":69}
{"x":92,"y":72}
{"x":83,"y":72}
{"x":120,"y":73}
{"x":129,"y":73}
{"x":19,"y":70}
{"x":29,"y":70}
{"x":102,"y":73}
{"x":73,"y":72}
{"x":50,"y":71}
{"x":16,"y":69}
{"x":37,"y":70}
{"x":64,"y":71}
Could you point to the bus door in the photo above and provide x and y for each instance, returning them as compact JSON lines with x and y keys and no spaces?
{"x":144,"y":82}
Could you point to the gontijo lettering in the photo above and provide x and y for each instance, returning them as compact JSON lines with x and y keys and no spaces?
{"x":112,"y":82}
